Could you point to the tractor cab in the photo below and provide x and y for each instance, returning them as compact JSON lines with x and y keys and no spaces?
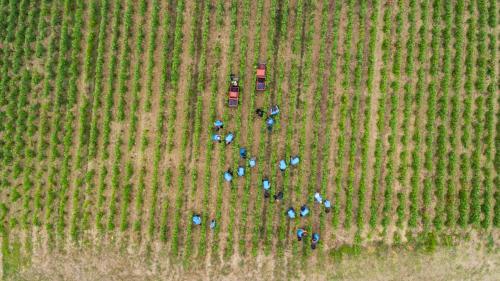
{"x":234,"y":91}
{"x":261,"y":77}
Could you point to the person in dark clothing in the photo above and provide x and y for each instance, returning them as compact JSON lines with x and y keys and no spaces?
{"x":266,"y":194}
{"x":279,"y":196}
{"x":259,"y":112}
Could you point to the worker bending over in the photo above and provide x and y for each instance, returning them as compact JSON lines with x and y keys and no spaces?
{"x":196,"y":219}
{"x":252,"y":162}
{"x":294,"y":160}
{"x":282,"y":165}
{"x":278,"y":197}
{"x":218,"y":125}
{"x":328,"y":206}
{"x":259,"y":112}
{"x":229,"y":138}
{"x":314,"y":240}
{"x":216,"y":137}
{"x":266,"y":185}
{"x":270,"y":123}
{"x":291,"y":213}
{"x":304,"y":210}
{"x":301,"y":233}
{"x":243,"y":152}
{"x":241,"y":171}
{"x":317,"y":197}
{"x":228,"y":175}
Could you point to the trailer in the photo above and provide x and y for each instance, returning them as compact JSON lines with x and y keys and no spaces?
{"x":261,"y":77}
{"x":234,"y":91}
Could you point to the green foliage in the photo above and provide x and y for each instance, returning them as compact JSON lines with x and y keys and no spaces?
{"x":465,"y":163}
{"x":106,"y":125}
{"x":383,"y":87}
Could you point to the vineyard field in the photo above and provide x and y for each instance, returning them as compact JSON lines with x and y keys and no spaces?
{"x":107,"y":111}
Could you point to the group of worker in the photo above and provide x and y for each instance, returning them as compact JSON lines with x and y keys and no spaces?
{"x":270,"y":121}
{"x":301,"y":233}
{"x":266,"y":184}
{"x":218,"y":124}
{"x":197,"y":221}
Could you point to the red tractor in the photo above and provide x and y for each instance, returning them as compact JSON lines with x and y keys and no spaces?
{"x":261,"y":77}
{"x":234,"y":91}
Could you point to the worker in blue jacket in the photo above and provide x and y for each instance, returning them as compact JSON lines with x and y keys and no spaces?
{"x":270,"y":123}
{"x":241,"y":171}
{"x":266,"y":185}
{"x":282,"y":165}
{"x":228,"y":175}
{"x":243,"y":152}
{"x":314,"y":240}
{"x":252,"y":162}
{"x":328,"y":206}
{"x":301,"y":233}
{"x":290,"y":213}
{"x":218,"y":124}
{"x":196,"y":219}
{"x":216,"y":137}
{"x":304,"y":210}
{"x":318,"y":198}
{"x":229,"y":138}
{"x":294,"y":160}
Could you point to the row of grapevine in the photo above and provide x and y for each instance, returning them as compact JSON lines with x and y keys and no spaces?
{"x":491,"y":139}
{"x":173,"y":88}
{"x":8,"y":20}
{"x":342,"y":119}
{"x":182,"y":204}
{"x":96,"y":108}
{"x":250,"y":135}
{"x":55,"y":126}
{"x":225,"y":116}
{"x":81,"y":126}
{"x":430,"y":126}
{"x":465,"y":182}
{"x":408,"y":91}
{"x":360,"y":217}
{"x":207,"y":178}
{"x":354,"y":117}
{"x":457,"y":82}
{"x":7,"y":116}
{"x":10,"y":90}
{"x":283,"y":31}
{"x":24,"y":125}
{"x":69,"y":118}
{"x":416,"y":164}
{"x":477,"y":141}
{"x":43,"y":116}
{"x":106,"y":126}
{"x":294,"y":87}
{"x":180,"y":182}
{"x":175,"y":73}
{"x":153,"y":29}
{"x":23,"y":81}
{"x":136,"y":86}
{"x":270,"y":166}
{"x":441,"y":141}
{"x":306,"y":84}
{"x":200,"y":87}
{"x":393,"y":122}
{"x":379,"y":143}
{"x":123,"y":88}
{"x":234,"y":7}
{"x":31,"y":125}
{"x":115,"y":168}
